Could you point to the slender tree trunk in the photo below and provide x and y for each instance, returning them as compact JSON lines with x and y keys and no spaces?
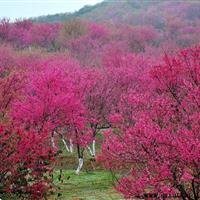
{"x":80,"y":165}
{"x":65,"y":144}
{"x":92,"y":150}
{"x":71,"y":145}
{"x":80,"y":154}
{"x":52,"y":140}
{"x":80,"y":160}
{"x":94,"y":147}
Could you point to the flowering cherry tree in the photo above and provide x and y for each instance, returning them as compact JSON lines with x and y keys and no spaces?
{"x":25,"y":163}
{"x":50,"y":102}
{"x":161,"y":148}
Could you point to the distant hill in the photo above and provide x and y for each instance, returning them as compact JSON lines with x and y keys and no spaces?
{"x":105,"y":11}
{"x":128,"y":11}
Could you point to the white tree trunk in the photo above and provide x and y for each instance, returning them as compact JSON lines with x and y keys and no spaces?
{"x":94,"y":148}
{"x":53,"y":142}
{"x":66,"y":147}
{"x":71,"y":145}
{"x":90,"y":150}
{"x":80,"y":165}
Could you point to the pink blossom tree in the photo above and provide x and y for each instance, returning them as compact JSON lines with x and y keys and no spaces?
{"x":50,"y":102}
{"x":25,"y":163}
{"x":160,"y":150}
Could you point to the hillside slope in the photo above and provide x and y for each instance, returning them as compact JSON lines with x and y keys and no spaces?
{"x":129,"y":11}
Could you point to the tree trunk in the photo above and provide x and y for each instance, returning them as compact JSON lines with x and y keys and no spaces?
{"x":80,"y":160}
{"x":64,"y":142}
{"x":94,"y":147}
{"x":71,"y":145}
{"x":53,"y":141}
{"x":92,"y":150}
{"x":80,"y":165}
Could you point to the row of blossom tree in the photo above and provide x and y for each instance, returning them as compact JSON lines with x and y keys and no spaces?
{"x":86,"y":41}
{"x":149,"y":106}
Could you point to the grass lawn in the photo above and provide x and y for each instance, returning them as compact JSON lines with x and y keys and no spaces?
{"x":97,"y":185}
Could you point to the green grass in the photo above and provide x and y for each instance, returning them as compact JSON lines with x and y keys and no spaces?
{"x":97,"y":185}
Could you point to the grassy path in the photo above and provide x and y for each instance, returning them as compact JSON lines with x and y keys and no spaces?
{"x":97,"y":185}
